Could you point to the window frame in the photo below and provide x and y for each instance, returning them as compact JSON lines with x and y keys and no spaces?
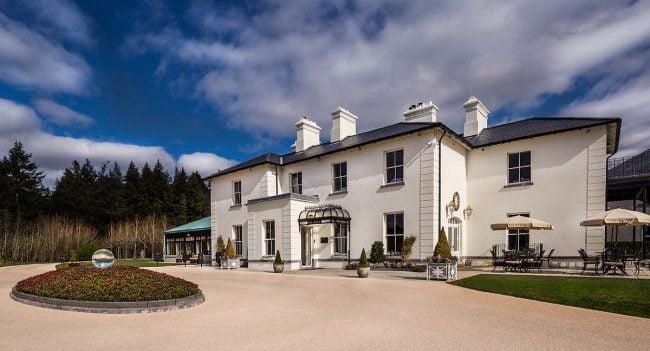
{"x":299,"y":184}
{"x":269,"y":240}
{"x":337,"y":239}
{"x":519,"y":167}
{"x":236,"y":196}
{"x":394,"y":167}
{"x":517,"y":232}
{"x":395,"y":236}
{"x":239,"y":244}
{"x":343,"y":178}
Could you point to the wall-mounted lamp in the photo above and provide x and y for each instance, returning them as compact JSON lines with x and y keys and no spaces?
{"x":468,"y":211}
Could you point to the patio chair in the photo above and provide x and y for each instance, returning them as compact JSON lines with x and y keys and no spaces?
{"x":586,"y":260}
{"x":547,"y":259}
{"x":511,"y":261}
{"x":638,"y":263}
{"x":535,"y":260}
{"x":613,"y":259}
{"x":496,"y":261}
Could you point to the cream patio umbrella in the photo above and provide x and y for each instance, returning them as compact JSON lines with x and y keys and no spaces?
{"x":618,"y":217}
{"x":521,"y":222}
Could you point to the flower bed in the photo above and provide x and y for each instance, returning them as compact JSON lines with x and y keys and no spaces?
{"x":117,"y":284}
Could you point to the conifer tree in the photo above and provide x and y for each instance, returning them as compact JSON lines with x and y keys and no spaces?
{"x":25,"y":194}
{"x":133,"y":193}
{"x":198,"y":197}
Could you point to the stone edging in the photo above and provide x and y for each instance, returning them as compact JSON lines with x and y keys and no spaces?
{"x":108,"y":306}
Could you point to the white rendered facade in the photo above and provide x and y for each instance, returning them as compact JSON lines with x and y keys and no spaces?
{"x":567,"y":185}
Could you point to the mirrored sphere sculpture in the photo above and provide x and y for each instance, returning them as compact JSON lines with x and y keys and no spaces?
{"x":103,"y":258}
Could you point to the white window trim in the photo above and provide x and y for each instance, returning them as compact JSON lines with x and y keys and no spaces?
{"x":291,"y":181}
{"x":385,"y":170}
{"x":269,"y":239}
{"x":508,"y":168}
{"x":234,"y":237}
{"x":334,"y":237}
{"x":385,"y":234}
{"x":334,"y":177}
{"x":234,"y":194}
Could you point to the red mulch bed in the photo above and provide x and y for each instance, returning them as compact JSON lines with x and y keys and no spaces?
{"x":118,"y":283}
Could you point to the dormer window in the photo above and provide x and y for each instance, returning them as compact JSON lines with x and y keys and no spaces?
{"x":519,"y":167}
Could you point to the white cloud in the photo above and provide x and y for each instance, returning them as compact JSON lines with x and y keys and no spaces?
{"x":61,"y":115}
{"x":205,"y":163}
{"x":375,"y":58}
{"x":54,"y":153}
{"x":60,"y":18}
{"x":29,"y":60}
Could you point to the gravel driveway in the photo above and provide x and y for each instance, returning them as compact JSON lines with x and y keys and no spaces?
{"x":265,"y":311}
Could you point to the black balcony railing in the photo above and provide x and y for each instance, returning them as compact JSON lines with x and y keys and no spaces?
{"x":634,"y":169}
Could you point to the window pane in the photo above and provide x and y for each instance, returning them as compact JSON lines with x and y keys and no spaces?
{"x":390,"y":159}
{"x":524,"y":158}
{"x":344,"y":183}
{"x":344,"y":168}
{"x":300,"y":178}
{"x":399,"y":157}
{"x":399,"y":240}
{"x":390,"y":224}
{"x":399,"y":174}
{"x":513,"y":160}
{"x":390,"y":175}
{"x":512,"y":242}
{"x":337,"y":170}
{"x":399,"y":223}
{"x":524,"y":174}
{"x":513,"y":175}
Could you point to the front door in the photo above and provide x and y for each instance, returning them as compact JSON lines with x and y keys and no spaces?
{"x":305,"y":246}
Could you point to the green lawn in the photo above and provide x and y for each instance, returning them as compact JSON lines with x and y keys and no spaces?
{"x":132,"y":263}
{"x":624,"y":296}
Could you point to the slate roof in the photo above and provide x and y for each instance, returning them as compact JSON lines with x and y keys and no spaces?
{"x":533,"y":127}
{"x":528,"y":128}
{"x":200,"y":225}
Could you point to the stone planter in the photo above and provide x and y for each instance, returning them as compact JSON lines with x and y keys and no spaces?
{"x":278,"y":267}
{"x":363,"y":272}
{"x":442,"y":271}
{"x":232,"y":263}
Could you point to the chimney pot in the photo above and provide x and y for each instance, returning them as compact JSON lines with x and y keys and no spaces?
{"x":421,"y":112}
{"x":307,"y":134}
{"x":344,"y":124}
{"x":476,"y":116}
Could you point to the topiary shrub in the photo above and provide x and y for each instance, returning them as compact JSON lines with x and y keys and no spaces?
{"x":220,"y":246}
{"x":230,"y":250}
{"x":407,"y":248}
{"x":363,"y":260}
{"x":278,"y":258}
{"x":377,"y":252}
{"x":442,"y":251}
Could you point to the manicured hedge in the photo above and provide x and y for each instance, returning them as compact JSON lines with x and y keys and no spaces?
{"x":118,"y":283}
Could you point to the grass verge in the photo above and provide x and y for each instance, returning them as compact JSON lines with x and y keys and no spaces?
{"x":624,"y":296}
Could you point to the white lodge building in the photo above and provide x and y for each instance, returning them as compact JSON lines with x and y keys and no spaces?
{"x":412,"y":178}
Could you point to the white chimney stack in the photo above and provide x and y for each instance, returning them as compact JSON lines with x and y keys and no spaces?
{"x":476,"y":116}
{"x":421,"y":112}
{"x":307,"y":134}
{"x":344,"y":124}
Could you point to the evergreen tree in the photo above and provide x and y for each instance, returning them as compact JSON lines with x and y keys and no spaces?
{"x":159,"y":190}
{"x":146,"y":180}
{"x":108,"y":196}
{"x":179,"y":204}
{"x":133,"y":201}
{"x":75,"y":192}
{"x":25,"y":195}
{"x":198,"y":197}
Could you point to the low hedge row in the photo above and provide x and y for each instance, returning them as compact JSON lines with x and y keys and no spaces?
{"x":118,"y":283}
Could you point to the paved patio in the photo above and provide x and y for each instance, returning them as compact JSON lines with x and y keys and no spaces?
{"x":317,"y":311}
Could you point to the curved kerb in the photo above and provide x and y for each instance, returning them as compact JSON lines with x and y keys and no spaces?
{"x":107,"y":306}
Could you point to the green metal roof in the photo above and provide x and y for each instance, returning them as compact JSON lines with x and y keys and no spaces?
{"x":202,"y":224}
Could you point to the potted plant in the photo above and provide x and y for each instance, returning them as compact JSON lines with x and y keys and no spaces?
{"x":442,"y":265}
{"x":377,"y":256}
{"x":363,"y":269}
{"x":232,"y":260}
{"x":278,"y":264}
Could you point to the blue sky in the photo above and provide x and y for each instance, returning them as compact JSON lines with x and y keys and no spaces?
{"x":204,"y":84}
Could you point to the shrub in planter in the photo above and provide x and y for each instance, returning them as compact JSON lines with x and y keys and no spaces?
{"x":278,"y":264}
{"x":377,"y":252}
{"x":231,"y":255}
{"x":442,"y":265}
{"x":363,"y":269}
{"x":407,"y":248}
